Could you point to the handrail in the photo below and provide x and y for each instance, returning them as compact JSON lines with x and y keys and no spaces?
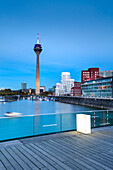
{"x":59,"y":113}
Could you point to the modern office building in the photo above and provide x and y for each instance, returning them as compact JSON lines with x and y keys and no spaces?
{"x":65,"y":86}
{"x":37,"y":49}
{"x":90,"y":74}
{"x":23,"y":85}
{"x":106,"y":73}
{"x":76,"y":89}
{"x":101,"y":87}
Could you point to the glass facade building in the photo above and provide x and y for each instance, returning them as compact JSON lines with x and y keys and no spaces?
{"x":23,"y":85}
{"x":102,"y":87}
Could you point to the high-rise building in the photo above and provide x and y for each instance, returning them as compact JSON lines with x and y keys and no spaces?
{"x":23,"y":85}
{"x":106,"y":73}
{"x":90,"y":74}
{"x":65,"y":86}
{"x":37,"y":49}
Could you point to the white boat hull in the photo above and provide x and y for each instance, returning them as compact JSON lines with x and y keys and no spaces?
{"x":13,"y":114}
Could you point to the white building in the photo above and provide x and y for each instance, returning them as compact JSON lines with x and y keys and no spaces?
{"x":65,"y":86}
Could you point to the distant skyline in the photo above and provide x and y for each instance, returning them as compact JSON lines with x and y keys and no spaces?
{"x":75,"y":35}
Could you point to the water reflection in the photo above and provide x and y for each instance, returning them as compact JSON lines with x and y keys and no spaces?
{"x":29,"y":107}
{"x":37,"y":107}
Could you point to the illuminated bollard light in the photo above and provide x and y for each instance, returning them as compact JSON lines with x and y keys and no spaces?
{"x":83,"y":123}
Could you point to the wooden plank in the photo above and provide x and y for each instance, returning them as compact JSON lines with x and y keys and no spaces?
{"x":52,"y":151}
{"x":73,"y":147}
{"x":19,"y":159}
{"x":57,"y":156}
{"x":2,"y":167}
{"x":61,"y":150}
{"x":94,"y":139}
{"x":87,"y":166}
{"x":6,"y":163}
{"x":84,"y":164}
{"x":11,"y":159}
{"x":69,"y":161}
{"x":98,"y":163}
{"x":96,"y":156}
{"x":82,"y":149}
{"x":75,"y":164}
{"x":46,"y":164}
{"x":64,"y":150}
{"x":29,"y":157}
{"x":52,"y":142}
{"x":72,"y":166}
{"x":56,"y":166}
{"x":44,"y":168}
{"x":57,"y":163}
{"x":44,"y":151}
{"x":9,"y":143}
{"x":102,"y":160}
{"x":90,"y":163}
{"x":37,"y":152}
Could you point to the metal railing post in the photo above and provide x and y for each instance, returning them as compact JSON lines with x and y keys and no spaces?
{"x":60,"y":122}
{"x":94,"y":118}
{"x":33,"y":125}
{"x":107,"y":117}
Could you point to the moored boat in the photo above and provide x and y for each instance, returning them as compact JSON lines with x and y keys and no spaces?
{"x":12,"y":114}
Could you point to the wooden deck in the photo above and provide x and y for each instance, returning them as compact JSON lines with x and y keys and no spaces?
{"x":70,"y":150}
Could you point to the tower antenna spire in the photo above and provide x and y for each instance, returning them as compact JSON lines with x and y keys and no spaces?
{"x":37,"y":38}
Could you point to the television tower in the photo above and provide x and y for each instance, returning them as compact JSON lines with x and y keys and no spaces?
{"x":37,"y":49}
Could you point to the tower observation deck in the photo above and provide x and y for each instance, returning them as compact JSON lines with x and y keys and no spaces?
{"x":37,"y":49}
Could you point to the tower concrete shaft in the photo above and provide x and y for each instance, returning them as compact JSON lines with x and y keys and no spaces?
{"x":37,"y":91}
{"x":37,"y":49}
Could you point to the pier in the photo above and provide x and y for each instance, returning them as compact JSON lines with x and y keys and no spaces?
{"x":101,"y":103}
{"x":69,"y":150}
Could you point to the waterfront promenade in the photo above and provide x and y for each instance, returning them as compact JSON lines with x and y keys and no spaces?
{"x":69,"y":150}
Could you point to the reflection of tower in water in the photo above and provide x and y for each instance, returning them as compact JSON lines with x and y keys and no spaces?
{"x":37,"y":107}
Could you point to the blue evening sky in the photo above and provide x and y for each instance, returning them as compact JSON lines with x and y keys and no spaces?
{"x":75,"y":35}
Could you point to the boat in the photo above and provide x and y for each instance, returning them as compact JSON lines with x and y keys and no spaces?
{"x":12,"y":114}
{"x":2,"y":99}
{"x":40,"y":99}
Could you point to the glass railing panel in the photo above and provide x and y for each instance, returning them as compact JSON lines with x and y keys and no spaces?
{"x":68,"y":121}
{"x":99,"y":119}
{"x":45,"y":124}
{"x":16,"y":127}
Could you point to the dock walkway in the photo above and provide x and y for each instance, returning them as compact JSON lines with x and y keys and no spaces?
{"x":69,"y":150}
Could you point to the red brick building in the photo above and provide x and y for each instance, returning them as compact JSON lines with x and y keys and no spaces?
{"x":76,"y":90}
{"x":90,"y":74}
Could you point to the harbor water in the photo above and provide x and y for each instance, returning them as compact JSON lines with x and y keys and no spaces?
{"x":29,"y":107}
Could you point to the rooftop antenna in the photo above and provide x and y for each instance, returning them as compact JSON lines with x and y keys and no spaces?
{"x":37,"y":38}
